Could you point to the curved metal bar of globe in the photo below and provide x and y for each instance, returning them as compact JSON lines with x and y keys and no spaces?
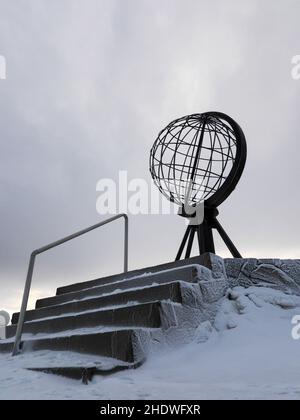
{"x":236,"y":172}
{"x":18,"y":337}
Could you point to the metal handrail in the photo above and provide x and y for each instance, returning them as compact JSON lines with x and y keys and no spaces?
{"x":17,"y":343}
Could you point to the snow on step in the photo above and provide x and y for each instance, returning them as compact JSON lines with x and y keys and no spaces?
{"x":191,"y":273}
{"x":177,"y":292}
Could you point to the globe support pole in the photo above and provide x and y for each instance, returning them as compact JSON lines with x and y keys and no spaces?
{"x":205,"y":236}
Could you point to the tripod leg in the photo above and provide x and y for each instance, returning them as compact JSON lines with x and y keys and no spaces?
{"x":206,"y":238}
{"x":190,"y":243}
{"x":235,"y":253}
{"x":199,"y":238}
{"x":182,"y":245}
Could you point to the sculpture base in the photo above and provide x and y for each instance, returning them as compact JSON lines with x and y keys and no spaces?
{"x":204,"y":232}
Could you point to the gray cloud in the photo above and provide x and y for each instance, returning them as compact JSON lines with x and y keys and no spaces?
{"x":90,"y":84}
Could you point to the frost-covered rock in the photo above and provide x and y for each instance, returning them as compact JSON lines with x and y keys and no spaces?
{"x":215,"y":264}
{"x":279,"y":274}
{"x":213,"y":290}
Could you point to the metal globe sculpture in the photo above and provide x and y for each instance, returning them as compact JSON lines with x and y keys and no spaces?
{"x":197,"y":160}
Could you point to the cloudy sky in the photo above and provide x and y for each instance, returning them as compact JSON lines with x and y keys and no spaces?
{"x":89,"y":85}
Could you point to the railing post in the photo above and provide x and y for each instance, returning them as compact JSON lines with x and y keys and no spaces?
{"x":125,"y":243}
{"x":19,"y":331}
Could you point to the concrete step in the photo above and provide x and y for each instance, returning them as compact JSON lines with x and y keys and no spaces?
{"x":147,"y":315}
{"x":188,"y":274}
{"x":202,"y":260}
{"x":124,"y":344}
{"x":168,"y":291}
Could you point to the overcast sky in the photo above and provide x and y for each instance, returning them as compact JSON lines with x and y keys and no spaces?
{"x":90,"y":83}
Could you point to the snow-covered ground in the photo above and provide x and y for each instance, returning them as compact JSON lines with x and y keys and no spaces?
{"x":248,"y":353}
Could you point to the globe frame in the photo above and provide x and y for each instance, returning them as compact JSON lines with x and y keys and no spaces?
{"x":225,"y":188}
{"x":157,"y":166}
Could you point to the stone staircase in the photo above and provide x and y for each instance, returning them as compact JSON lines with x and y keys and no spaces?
{"x":122,"y":318}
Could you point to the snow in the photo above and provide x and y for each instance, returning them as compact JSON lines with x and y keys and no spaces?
{"x":78,"y":331}
{"x":200,"y":270}
{"x":247,"y":352}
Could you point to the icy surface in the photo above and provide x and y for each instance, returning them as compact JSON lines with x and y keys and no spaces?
{"x":199,"y":271}
{"x":246,"y":352}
